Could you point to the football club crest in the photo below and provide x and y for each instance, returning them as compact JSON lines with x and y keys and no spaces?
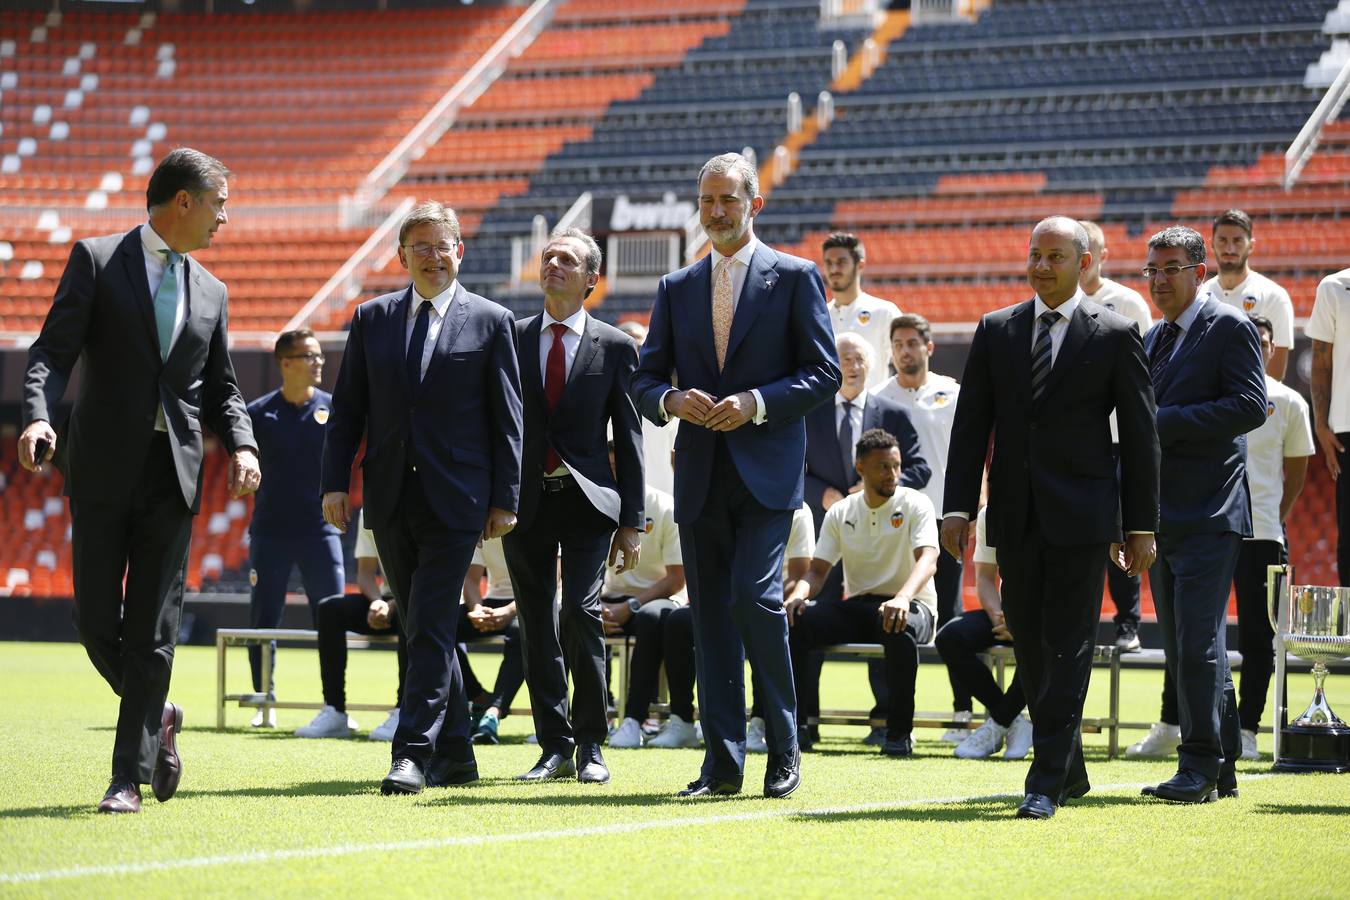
{"x":1248,"y":304}
{"x":864,"y":317}
{"x":1270,"y":408}
{"x":321,"y":415}
{"x":647,"y":528}
{"x":253,"y":577}
{"x":897,"y":519}
{"x":941,"y":398}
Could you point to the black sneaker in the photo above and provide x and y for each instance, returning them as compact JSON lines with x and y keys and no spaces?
{"x":1127,"y":637}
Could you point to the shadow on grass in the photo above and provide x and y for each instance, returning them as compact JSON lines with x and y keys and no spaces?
{"x":986,"y":809}
{"x":593,"y":795}
{"x":1301,"y":809}
{"x":301,"y":789}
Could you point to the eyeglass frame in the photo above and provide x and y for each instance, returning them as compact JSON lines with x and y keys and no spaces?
{"x":430,"y":249}
{"x":1150,"y":275}
{"x":307,"y":357}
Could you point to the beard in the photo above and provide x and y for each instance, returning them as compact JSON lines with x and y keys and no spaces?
{"x":1232,"y":267}
{"x":845,"y":282}
{"x":726,"y":231}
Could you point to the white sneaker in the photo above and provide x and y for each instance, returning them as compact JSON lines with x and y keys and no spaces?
{"x":265,"y":718}
{"x":958,"y":735}
{"x":677,"y":733}
{"x":1249,"y":750}
{"x":1162,"y":740}
{"x":329,"y":723}
{"x":628,"y":736}
{"x":982,"y":742}
{"x":387,"y":728}
{"x":754,"y":736}
{"x":1018,"y":739}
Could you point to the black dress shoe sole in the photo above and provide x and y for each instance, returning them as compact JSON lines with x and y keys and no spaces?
{"x":721,"y":790}
{"x":1230,"y":793}
{"x":585,"y":777}
{"x":168,"y":769}
{"x":1188,"y":799}
{"x":778,"y":793}
{"x":1026,"y":812}
{"x":389,"y":787}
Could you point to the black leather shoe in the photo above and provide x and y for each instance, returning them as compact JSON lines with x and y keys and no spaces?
{"x":707,"y":786}
{"x":122,"y":797}
{"x":1227,"y":787}
{"x":1036,"y":806}
{"x":805,"y":742}
{"x":1187,"y":786}
{"x":446,"y":772}
{"x":784,"y":774}
{"x":168,"y":766}
{"x":550,"y":765}
{"x":590,"y":764}
{"x":898,"y":748}
{"x":1075,"y":791}
{"x":405,"y":777}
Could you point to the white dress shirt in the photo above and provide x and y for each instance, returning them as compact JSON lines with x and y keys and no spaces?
{"x":156,"y":262}
{"x":1057,"y":330}
{"x":435,"y":318}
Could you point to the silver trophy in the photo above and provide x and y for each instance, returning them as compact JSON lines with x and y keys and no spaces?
{"x":1312,"y":623}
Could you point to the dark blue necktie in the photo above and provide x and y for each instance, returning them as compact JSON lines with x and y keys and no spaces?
{"x":846,"y":440}
{"x":416,"y":343}
{"x":1041,"y":355}
{"x":1162,"y":350}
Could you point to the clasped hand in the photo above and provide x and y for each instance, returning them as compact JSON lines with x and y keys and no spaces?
{"x":699,"y":408}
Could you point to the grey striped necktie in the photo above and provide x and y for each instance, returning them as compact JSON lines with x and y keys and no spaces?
{"x":1041,"y":356}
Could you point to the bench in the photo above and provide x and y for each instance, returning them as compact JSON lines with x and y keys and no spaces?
{"x":244,"y":637}
{"x":1107,"y":655}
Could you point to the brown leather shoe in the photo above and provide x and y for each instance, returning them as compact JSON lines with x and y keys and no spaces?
{"x":168,"y":767}
{"x":122,"y":797}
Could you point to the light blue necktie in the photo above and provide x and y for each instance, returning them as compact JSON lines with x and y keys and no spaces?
{"x":166,"y":302}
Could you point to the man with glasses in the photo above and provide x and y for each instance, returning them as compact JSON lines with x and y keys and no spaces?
{"x":288,"y":530}
{"x":430,"y":381}
{"x":1206,"y":367}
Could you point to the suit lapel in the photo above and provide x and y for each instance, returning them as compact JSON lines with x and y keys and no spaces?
{"x":1199,"y":325}
{"x":699,"y":305}
{"x":133,"y":261}
{"x":1082,"y":326}
{"x":759,"y":284}
{"x":529,"y":356}
{"x":1019,"y":332}
{"x":398,"y":336}
{"x":586,"y":350}
{"x":455,"y":316}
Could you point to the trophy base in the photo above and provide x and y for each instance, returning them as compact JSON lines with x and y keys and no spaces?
{"x":1311,"y":748}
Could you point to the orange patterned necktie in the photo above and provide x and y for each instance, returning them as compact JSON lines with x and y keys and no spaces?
{"x":721,"y":310}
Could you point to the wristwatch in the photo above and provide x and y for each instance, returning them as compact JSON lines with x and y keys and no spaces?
{"x":633,"y":604}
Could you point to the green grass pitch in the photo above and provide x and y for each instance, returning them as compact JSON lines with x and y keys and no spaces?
{"x":265,"y":814}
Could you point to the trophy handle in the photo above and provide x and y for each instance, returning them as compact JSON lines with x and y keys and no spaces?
{"x":1279,"y":583}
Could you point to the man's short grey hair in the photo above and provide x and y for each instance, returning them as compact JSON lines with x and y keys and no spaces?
{"x":430,"y":213}
{"x":737,"y":167}
{"x":849,"y":339}
{"x":1068,"y":227}
{"x":1188,"y":239}
{"x":634,"y":329}
{"x":592,"y":248}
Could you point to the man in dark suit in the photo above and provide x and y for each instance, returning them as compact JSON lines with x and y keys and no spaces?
{"x":576,"y":370}
{"x":1206,"y":364}
{"x":1041,"y":379}
{"x":832,"y":433}
{"x":429,"y":378}
{"x":746,"y":336}
{"x":149,"y":323}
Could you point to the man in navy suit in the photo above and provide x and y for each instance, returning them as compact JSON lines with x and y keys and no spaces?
{"x":740,"y":348}
{"x":1206,"y":365}
{"x":1041,"y":380}
{"x":430,"y":380}
{"x":576,"y":370}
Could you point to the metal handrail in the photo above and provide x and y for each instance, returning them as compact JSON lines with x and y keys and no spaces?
{"x":346,"y":279}
{"x":441,"y":116}
{"x":1303,"y":147}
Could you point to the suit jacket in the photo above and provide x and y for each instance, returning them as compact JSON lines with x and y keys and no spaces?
{"x":1210,"y":394}
{"x":1055,"y":456}
{"x":461,"y":426}
{"x":825,"y":464}
{"x":781,"y":343}
{"x":104,"y":313}
{"x":595,"y":395}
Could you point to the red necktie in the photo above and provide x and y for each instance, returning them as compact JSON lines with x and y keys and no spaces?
{"x":555,"y":375}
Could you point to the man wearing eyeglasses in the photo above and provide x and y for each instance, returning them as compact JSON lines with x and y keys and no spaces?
{"x":430,"y":380}
{"x":1041,"y":380}
{"x":1207,"y":372}
{"x":288,"y":529}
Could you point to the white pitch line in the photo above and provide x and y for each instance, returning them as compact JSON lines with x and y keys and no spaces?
{"x":266,"y":856}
